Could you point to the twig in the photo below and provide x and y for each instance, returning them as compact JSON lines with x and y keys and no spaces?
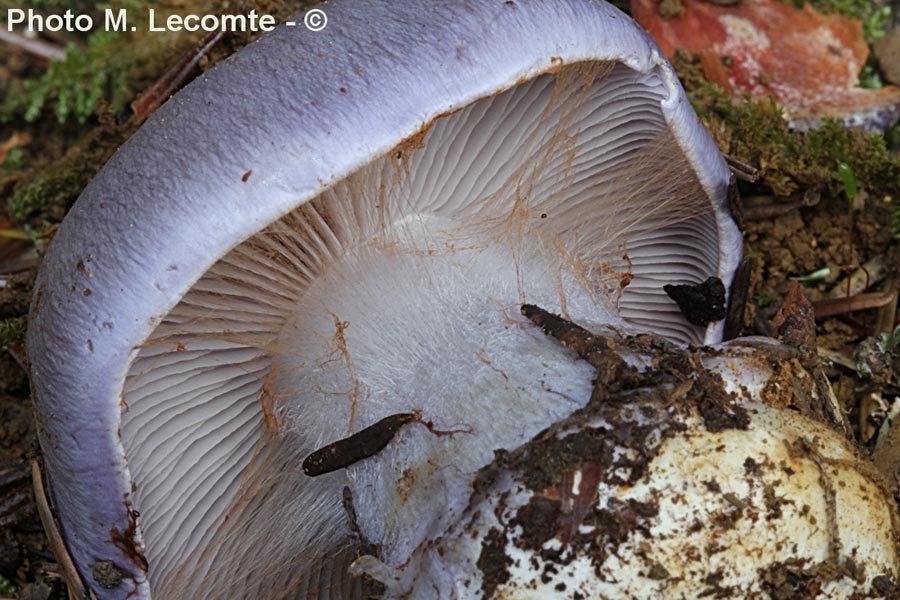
{"x":742,"y":170}
{"x":34,"y":46}
{"x":57,"y":545}
{"x":829,"y":307}
{"x":737,"y":301}
{"x":859,"y":280}
{"x":888,"y":313}
{"x":159,"y":92}
{"x":774,"y":208}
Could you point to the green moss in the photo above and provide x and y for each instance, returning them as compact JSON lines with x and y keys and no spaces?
{"x":875,"y":19}
{"x":763,"y":298}
{"x":12,"y":332}
{"x":100,"y":75}
{"x":790,"y":160}
{"x":47,"y":195}
{"x":892,"y":137}
{"x":107,"y":68}
{"x":869,"y":77}
{"x":15,"y":160}
{"x":7,"y":588}
{"x":896,"y":225}
{"x":73,"y":87}
{"x":53,"y":188}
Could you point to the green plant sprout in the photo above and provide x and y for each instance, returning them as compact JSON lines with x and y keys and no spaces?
{"x":888,"y":341}
{"x":884,"y":431}
{"x":849,"y":180}
{"x":814,"y":277}
{"x":7,"y":588}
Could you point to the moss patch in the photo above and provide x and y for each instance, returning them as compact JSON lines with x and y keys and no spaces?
{"x":789,"y":160}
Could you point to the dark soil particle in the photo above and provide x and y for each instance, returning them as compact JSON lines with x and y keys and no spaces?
{"x":713,"y":486}
{"x":774,"y":503}
{"x":618,"y":521}
{"x":106,"y":574}
{"x":717,"y":406}
{"x":493,"y":562}
{"x":658,"y":572}
{"x":751,"y":467}
{"x":538,"y":520}
{"x":886,"y":586}
{"x":545,"y":460}
{"x":715,"y":589}
{"x":792,"y":580}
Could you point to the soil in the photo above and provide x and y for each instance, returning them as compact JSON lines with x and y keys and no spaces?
{"x":798,"y":241}
{"x":25,"y":556}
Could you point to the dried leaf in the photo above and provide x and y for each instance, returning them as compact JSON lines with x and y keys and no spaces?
{"x":807,"y":61}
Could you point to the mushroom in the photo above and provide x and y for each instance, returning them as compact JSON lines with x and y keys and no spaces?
{"x":696,"y":474}
{"x":331,"y":228}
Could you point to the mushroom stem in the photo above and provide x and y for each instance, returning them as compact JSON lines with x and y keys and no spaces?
{"x":688,"y":451}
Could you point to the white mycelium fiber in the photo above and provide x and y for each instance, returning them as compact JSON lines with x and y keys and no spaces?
{"x":399,"y":289}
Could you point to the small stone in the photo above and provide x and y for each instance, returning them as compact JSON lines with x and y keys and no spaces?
{"x":887,"y":51}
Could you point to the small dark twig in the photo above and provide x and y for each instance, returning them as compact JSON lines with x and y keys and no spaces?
{"x":829,"y":307}
{"x":36,"y":47}
{"x":775,"y":208}
{"x":57,"y":545}
{"x":151,"y":98}
{"x":737,"y":301}
{"x":595,"y":350}
{"x":742,"y":170}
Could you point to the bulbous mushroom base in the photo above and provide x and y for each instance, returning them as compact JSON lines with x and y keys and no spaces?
{"x":667,"y":485}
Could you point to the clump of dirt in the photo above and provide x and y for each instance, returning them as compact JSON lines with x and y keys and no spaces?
{"x":805,"y":240}
{"x":795,"y":580}
{"x":821,"y":207}
{"x":610,"y":444}
{"x":26,"y":563}
{"x":634,"y":410}
{"x":493,"y":562}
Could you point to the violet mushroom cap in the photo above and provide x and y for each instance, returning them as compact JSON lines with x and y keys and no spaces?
{"x":550,"y":142}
